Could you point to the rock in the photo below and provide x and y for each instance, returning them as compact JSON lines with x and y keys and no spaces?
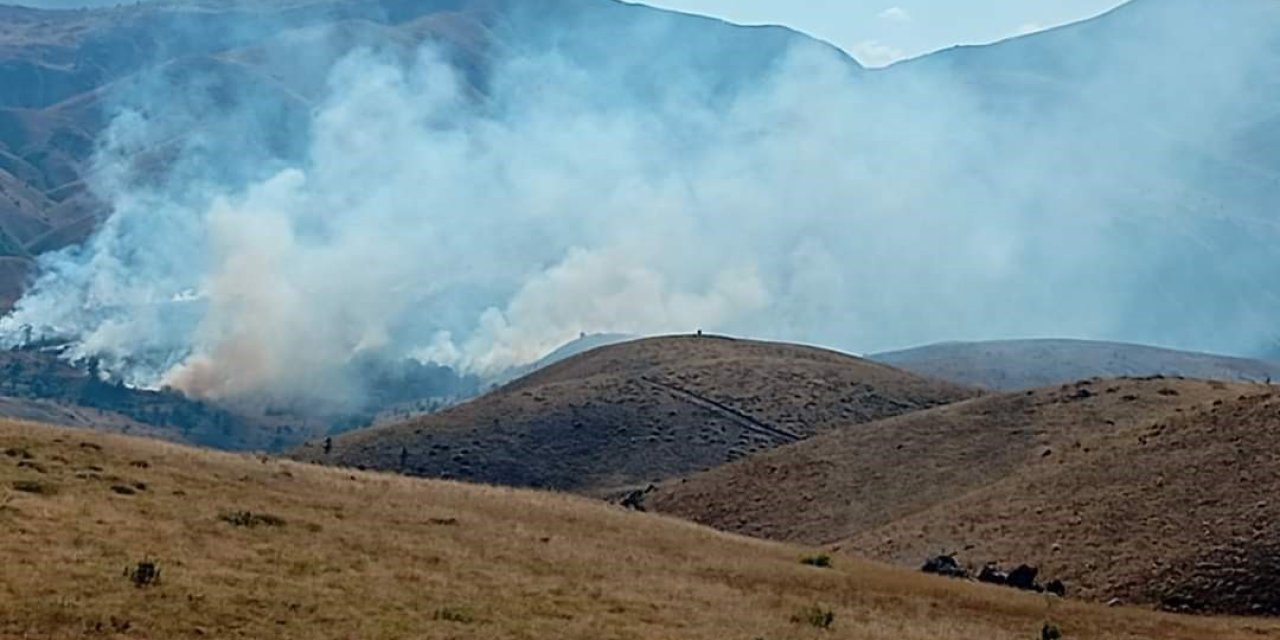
{"x":1024,"y":577}
{"x":944,"y":565}
{"x":991,"y":574}
{"x":1057,"y":588}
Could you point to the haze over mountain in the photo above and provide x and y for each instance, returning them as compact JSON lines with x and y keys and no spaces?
{"x":1010,"y":365}
{"x":297,"y":186}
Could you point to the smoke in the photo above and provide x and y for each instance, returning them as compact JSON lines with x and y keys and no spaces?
{"x":1085,"y":183}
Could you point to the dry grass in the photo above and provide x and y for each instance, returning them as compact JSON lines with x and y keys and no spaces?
{"x":1180,"y":512}
{"x":371,"y":556}
{"x":638,"y":412}
{"x":860,"y":477}
{"x":1115,"y":487}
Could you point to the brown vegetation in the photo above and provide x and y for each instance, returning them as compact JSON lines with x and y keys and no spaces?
{"x":639,"y":412}
{"x":1120,"y":488}
{"x":516,"y":564}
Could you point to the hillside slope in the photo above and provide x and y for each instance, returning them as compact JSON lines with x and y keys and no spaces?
{"x":1012,"y":365}
{"x":1096,"y":482}
{"x":261,"y":548}
{"x":641,"y":411}
{"x":1180,"y":512}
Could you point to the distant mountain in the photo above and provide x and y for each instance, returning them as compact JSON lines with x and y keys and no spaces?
{"x":65,"y":74}
{"x":1143,"y":143}
{"x":1025,"y":364}
{"x":1132,"y":154}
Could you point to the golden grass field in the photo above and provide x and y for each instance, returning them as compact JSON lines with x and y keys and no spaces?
{"x":369,"y":556}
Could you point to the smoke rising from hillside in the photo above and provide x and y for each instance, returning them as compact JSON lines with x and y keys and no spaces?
{"x":858,"y":210}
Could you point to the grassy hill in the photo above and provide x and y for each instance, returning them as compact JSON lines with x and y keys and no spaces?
{"x":250,"y":547}
{"x":1012,"y":365}
{"x":1118,"y":487}
{"x":638,"y":412}
{"x":1178,"y":511}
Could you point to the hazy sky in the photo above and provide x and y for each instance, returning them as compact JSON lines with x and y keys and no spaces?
{"x":878,"y":32}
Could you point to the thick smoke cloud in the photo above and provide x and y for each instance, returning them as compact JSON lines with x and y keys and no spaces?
{"x":815,"y":203}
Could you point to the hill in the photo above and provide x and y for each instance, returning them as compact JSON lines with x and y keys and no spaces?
{"x":1013,"y":365}
{"x":255,"y":547}
{"x":637,"y":412}
{"x":1121,"y":488}
{"x":1177,"y":511}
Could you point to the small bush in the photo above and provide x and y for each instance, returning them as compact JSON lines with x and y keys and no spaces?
{"x":35,"y":486}
{"x":15,"y":452}
{"x":450,"y":614}
{"x":250,"y":519}
{"x":815,"y":616}
{"x":123,"y":490}
{"x":1050,"y":632}
{"x":143,"y":574}
{"x":821,"y":560}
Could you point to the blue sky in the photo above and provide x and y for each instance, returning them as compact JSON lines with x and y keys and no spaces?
{"x":879,"y":32}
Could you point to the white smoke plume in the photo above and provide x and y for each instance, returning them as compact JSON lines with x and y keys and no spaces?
{"x":817,"y":204}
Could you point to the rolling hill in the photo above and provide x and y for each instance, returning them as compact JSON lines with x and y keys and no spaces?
{"x":633,"y":413}
{"x":1178,"y":511}
{"x":1106,"y":484}
{"x":118,"y":537}
{"x":1014,"y":365}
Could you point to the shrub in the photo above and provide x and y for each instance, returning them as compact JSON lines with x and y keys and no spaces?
{"x":250,"y":519}
{"x":143,"y":574}
{"x":32,"y":465}
{"x":821,"y":560}
{"x":1050,"y":632}
{"x":451,"y":614}
{"x":35,"y":486}
{"x":815,"y":616}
